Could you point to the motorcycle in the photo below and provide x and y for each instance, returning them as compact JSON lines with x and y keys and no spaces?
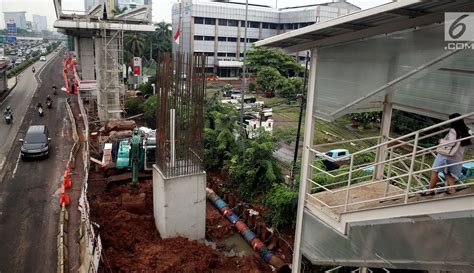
{"x":49,"y":104}
{"x":54,"y":91}
{"x":8,"y":118}
{"x":33,"y":70}
{"x":40,"y":111}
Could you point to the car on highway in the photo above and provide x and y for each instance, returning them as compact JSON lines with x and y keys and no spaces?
{"x":36,"y":142}
{"x":43,"y":58}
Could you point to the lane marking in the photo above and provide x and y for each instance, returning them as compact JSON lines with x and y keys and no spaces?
{"x":16,"y":165}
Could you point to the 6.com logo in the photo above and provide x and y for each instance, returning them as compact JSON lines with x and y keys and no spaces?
{"x":459,"y":30}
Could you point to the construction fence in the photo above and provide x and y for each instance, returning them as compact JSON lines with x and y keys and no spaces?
{"x":90,"y":242}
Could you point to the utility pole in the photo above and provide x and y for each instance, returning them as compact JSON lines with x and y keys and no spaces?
{"x":303,"y":100}
{"x":244,"y":71}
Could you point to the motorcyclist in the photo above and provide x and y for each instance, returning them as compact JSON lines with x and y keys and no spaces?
{"x":54,"y":89}
{"x":8,"y":111}
{"x":39,"y":105}
{"x":33,"y":69}
{"x":48,"y":98}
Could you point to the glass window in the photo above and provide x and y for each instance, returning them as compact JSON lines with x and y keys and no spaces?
{"x":254,"y":24}
{"x":209,"y":21}
{"x":266,"y":25}
{"x":233,"y":23}
{"x":273,"y":26}
{"x":209,"y":54}
{"x":198,"y":38}
{"x":208,"y":38}
{"x":232,"y":39}
{"x":198,"y":20}
{"x":35,"y":138}
{"x":231,"y":55}
{"x":222,"y":22}
{"x":252,"y":40}
{"x":222,"y":39}
{"x":221,"y":54}
{"x":242,"y":23}
{"x":341,"y":153}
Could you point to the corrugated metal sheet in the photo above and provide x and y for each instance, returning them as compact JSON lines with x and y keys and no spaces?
{"x":444,"y":242}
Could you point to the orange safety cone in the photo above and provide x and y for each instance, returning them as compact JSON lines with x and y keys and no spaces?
{"x":64,"y":197}
{"x":67,"y":180}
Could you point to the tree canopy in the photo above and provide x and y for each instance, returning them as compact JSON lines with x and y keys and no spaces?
{"x":258,"y":58}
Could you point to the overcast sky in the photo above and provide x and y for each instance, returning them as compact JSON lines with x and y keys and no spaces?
{"x":161,"y":8}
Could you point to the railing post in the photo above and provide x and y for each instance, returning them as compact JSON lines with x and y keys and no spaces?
{"x":349,"y":183}
{"x":412,"y":166}
{"x":389,"y":172}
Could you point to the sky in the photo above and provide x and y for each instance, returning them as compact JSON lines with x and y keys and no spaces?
{"x":161,"y":8}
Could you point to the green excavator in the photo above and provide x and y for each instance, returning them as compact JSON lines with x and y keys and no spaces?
{"x":135,"y":154}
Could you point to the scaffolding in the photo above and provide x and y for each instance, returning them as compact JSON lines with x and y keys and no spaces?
{"x":110,"y":62}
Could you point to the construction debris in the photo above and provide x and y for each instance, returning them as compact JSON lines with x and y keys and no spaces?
{"x":118,"y":125}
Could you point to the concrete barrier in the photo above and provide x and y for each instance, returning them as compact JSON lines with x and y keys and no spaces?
{"x":62,"y":241}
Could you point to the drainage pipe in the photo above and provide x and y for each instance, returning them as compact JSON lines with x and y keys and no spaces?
{"x":249,"y":236}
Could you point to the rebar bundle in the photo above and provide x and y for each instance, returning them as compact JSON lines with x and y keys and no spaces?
{"x":180,"y":99}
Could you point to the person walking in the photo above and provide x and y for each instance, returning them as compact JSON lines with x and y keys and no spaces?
{"x":458,"y":130}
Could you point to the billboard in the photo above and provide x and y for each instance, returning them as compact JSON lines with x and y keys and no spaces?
{"x":11,"y":28}
{"x":10,"y":39}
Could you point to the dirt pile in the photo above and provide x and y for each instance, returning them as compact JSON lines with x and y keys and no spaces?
{"x":131,"y":243}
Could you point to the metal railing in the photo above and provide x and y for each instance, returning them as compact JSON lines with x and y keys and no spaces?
{"x":406,"y":169}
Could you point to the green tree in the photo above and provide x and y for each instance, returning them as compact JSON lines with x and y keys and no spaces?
{"x":268,"y":78}
{"x":219,"y":139}
{"x":134,"y":44}
{"x":289,"y":88}
{"x":118,"y":10}
{"x":149,"y":110}
{"x":255,"y":170}
{"x":258,"y":58}
{"x":278,"y":200}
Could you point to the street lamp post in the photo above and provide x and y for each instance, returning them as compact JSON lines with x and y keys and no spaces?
{"x":244,"y":71}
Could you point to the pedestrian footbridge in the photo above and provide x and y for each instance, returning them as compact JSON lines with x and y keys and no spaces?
{"x":370,"y":212}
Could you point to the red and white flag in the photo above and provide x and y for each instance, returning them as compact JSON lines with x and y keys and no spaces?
{"x":176,"y":35}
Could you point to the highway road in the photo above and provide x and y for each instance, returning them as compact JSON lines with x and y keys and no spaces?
{"x":29,"y":195}
{"x":19,"y":99}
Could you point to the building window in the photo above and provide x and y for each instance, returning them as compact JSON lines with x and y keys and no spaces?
{"x":266,"y":25}
{"x":209,"y":54}
{"x":232,"y":39}
{"x":233,"y":23}
{"x":254,"y":24}
{"x":302,"y":58}
{"x":241,"y":55}
{"x":288,"y":26}
{"x":208,"y":38}
{"x":273,"y":26}
{"x":222,"y":22}
{"x":242,"y":40}
{"x":198,"y":20}
{"x":221,"y":54}
{"x":222,"y":39}
{"x":242,"y":23}
{"x":252,"y":40}
{"x":231,"y":54}
{"x":209,"y":21}
{"x":198,"y":38}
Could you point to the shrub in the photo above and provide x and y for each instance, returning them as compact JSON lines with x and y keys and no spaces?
{"x":134,"y":105}
{"x":279,"y":200}
{"x":149,"y":109}
{"x":252,"y":86}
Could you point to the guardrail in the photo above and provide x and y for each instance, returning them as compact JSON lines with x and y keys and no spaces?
{"x":406,"y":169}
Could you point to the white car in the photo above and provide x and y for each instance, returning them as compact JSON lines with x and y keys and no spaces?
{"x":43,"y":58}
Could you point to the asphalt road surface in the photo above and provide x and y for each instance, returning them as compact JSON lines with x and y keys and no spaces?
{"x":19,"y":99}
{"x":29,"y":195}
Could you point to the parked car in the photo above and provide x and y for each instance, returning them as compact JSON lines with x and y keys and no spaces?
{"x":36,"y":142}
{"x":43,"y":58}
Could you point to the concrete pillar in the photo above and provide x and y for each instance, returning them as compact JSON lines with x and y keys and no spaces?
{"x":382,"y":151}
{"x":179,"y":205}
{"x":76,"y":46}
{"x":86,"y":58}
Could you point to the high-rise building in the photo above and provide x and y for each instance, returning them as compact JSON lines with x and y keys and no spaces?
{"x":40,"y":23}
{"x":17,"y":17}
{"x":216,"y":29}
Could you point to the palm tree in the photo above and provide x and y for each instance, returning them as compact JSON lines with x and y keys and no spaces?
{"x":118,"y":10}
{"x":134,"y":44}
{"x":161,"y":39}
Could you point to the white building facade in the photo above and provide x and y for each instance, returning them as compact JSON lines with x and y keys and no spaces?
{"x":216,"y":29}
{"x":17,"y":17}
{"x":40,"y":23}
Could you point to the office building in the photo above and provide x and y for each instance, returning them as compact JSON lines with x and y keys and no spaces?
{"x":216,"y":29}
{"x":40,"y":23}
{"x":17,"y":17}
